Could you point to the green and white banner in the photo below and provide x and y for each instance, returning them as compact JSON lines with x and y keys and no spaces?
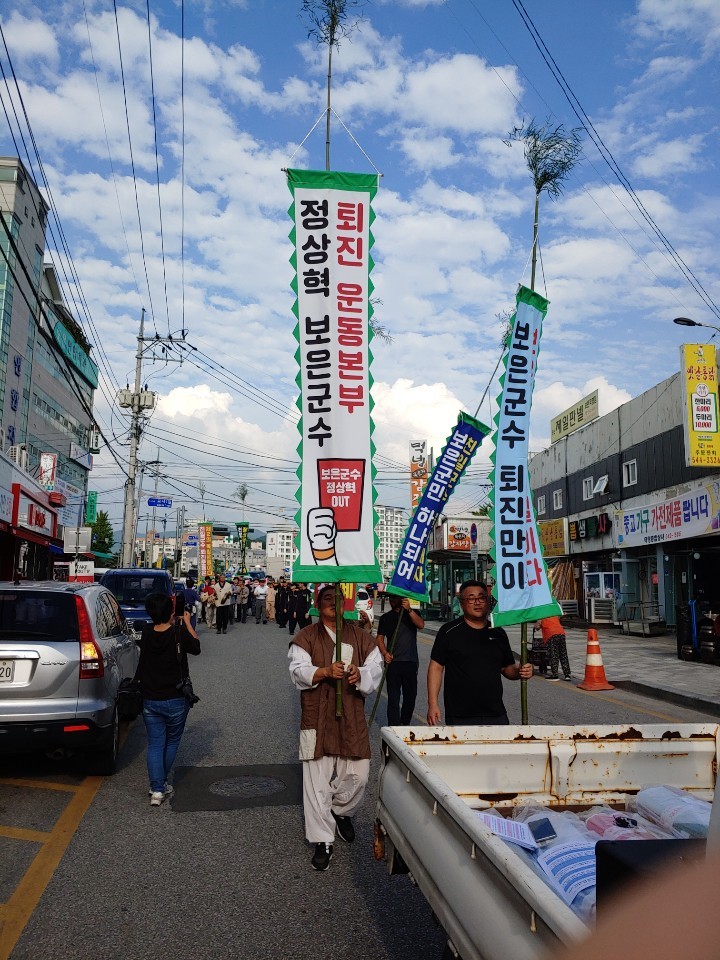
{"x":522,"y":588}
{"x":332,"y":216}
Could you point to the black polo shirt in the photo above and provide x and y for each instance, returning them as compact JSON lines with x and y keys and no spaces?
{"x":472,"y":660}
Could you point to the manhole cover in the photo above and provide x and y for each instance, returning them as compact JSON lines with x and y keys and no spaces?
{"x":237,"y":788}
{"x":247,"y":786}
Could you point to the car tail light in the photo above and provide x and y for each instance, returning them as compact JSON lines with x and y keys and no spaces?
{"x":91,"y":661}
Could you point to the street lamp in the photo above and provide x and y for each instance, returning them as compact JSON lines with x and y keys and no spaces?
{"x":687,"y":322}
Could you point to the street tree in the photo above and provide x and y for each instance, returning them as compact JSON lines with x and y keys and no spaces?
{"x":103,"y":537}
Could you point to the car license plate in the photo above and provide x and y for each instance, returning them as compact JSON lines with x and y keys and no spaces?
{"x":7,"y":670}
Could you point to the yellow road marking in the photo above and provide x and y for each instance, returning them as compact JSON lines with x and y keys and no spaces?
{"x":19,"y":908}
{"x":39,"y":784}
{"x":19,"y":833}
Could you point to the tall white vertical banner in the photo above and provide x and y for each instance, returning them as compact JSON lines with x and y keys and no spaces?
{"x":331,"y":235}
{"x":522,"y":587}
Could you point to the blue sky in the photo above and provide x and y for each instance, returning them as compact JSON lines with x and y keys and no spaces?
{"x":430,"y":90}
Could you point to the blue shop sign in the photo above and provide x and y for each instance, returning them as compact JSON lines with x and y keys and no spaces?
{"x":75,"y":354}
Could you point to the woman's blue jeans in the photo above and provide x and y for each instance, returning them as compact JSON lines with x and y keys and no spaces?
{"x":164,"y":722}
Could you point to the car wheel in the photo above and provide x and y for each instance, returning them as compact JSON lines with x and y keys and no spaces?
{"x":105,"y":760}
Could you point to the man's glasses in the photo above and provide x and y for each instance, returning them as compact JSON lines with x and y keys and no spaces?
{"x":473,"y":600}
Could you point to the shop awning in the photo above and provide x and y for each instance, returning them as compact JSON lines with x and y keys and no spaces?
{"x":102,"y":556}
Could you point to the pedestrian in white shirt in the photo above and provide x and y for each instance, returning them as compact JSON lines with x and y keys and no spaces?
{"x":223,"y":596}
{"x":260,"y":594}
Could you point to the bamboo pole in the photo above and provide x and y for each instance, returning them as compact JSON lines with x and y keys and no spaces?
{"x":391,"y":647}
{"x":338,"y":645}
{"x":523,"y":626}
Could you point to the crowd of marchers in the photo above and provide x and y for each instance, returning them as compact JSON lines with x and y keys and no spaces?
{"x":222,"y":601}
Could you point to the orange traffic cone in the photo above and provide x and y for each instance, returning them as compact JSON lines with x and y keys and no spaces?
{"x":595,"y":678}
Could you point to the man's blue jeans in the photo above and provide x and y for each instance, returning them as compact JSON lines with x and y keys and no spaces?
{"x":164,"y":722}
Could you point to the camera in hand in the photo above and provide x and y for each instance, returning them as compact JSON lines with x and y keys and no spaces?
{"x":186,"y":689}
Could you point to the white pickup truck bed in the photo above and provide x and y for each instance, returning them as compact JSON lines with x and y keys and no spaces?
{"x":489,"y":901}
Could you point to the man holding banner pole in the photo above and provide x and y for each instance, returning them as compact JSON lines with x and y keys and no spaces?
{"x":401,"y":660}
{"x":473,"y":657}
{"x":335,"y":750}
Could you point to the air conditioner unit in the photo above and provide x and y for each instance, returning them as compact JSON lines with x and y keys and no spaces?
{"x":19,"y":456}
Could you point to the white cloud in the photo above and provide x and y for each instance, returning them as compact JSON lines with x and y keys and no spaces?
{"x":666,"y":158}
{"x":31,"y":39}
{"x":697,"y":19}
{"x":194,"y":401}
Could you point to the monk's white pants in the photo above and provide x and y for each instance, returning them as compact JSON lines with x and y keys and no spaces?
{"x":331,"y":783}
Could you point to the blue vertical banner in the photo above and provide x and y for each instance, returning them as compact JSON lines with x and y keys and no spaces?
{"x":409,"y":579}
{"x":522,"y":587}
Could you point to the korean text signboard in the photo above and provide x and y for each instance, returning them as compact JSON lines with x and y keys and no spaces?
{"x":418,"y":470}
{"x":47,"y":471}
{"x":575,"y":417}
{"x":522,"y":588}
{"x":409,"y":579}
{"x":332,"y":217}
{"x":692,"y":514}
{"x":205,"y":557}
{"x":698,"y":367}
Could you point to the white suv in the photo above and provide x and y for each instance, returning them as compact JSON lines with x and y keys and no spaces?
{"x":65,"y":648}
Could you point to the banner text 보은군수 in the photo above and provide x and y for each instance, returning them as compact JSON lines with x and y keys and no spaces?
{"x":522,"y":588}
{"x":332,"y":218}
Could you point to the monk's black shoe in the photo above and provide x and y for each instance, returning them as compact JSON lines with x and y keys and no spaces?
{"x":344,"y":827}
{"x":322,"y":856}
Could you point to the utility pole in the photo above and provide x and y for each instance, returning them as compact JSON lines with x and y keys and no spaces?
{"x":138,"y":401}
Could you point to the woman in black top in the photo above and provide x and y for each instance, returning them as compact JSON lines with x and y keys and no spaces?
{"x":164,"y":647}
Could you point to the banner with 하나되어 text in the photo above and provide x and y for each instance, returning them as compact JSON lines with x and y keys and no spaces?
{"x":409,"y":578}
{"x":332,"y":217}
{"x":522,"y":588}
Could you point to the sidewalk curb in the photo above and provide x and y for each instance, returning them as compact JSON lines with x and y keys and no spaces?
{"x":669,"y":696}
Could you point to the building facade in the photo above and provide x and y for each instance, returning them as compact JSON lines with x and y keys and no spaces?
{"x":390,"y":529}
{"x":628,"y":519}
{"x":47,"y":379}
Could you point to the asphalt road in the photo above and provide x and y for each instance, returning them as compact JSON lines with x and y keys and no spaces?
{"x":137,"y":882}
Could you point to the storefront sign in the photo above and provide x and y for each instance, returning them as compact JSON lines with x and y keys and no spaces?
{"x":522,"y":588}
{"x":81,"y":456}
{"x":47,"y":471}
{"x":418,"y":470}
{"x":72,"y":350}
{"x":91,"y":507}
{"x":82,"y":572}
{"x":554,"y":537}
{"x":408,"y":579}
{"x":575,"y":417}
{"x":688,"y":515}
{"x":590,"y":527}
{"x":70,"y":515}
{"x":31,"y":514}
{"x":458,"y":535}
{"x":331,"y":236}
{"x":698,"y":365}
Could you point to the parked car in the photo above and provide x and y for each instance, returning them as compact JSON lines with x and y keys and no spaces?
{"x":131,"y":585}
{"x":65,"y":648}
{"x":363,"y":601}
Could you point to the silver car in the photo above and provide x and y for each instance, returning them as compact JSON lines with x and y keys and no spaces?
{"x":65,"y":648}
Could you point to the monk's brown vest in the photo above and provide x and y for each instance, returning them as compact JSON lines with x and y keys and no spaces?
{"x":346,"y":736}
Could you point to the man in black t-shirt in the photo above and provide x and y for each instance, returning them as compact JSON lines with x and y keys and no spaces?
{"x":474,"y":658}
{"x":403,"y":661}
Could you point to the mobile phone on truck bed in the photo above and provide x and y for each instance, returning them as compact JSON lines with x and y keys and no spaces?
{"x":542,"y":830}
